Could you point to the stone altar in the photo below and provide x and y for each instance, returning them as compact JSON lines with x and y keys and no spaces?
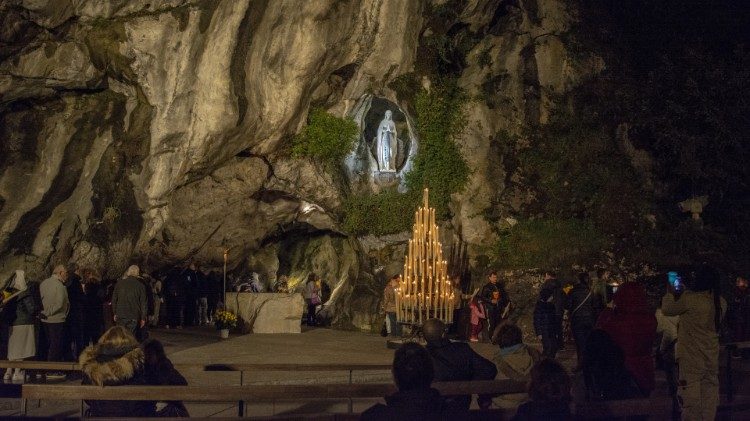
{"x":267,"y":312}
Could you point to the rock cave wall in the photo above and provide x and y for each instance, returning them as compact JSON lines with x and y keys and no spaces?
{"x":158,"y":131}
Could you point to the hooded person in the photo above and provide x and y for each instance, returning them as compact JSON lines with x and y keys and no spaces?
{"x":632,"y":326}
{"x":22,"y":313}
{"x":116,"y":360}
{"x":514,"y":359}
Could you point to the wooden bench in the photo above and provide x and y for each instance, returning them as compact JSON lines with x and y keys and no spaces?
{"x":231,"y":367}
{"x":240,"y":394}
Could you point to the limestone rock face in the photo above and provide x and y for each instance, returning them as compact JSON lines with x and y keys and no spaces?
{"x":159,"y":131}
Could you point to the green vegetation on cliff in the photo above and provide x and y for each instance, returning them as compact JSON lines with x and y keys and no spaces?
{"x":439,"y":164}
{"x":387,"y":212}
{"x":326,"y":138}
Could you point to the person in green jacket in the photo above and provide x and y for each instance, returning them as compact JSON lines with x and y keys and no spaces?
{"x":697,"y":350}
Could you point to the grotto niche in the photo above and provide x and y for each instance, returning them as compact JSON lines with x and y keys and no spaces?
{"x":386,"y":130}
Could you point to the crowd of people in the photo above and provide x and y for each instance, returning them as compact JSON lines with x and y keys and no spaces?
{"x":57,"y":318}
{"x":620,"y":340}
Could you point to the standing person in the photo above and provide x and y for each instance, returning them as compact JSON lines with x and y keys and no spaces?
{"x":458,"y":304}
{"x":738,"y":315}
{"x":175,"y":297}
{"x":558,"y":301}
{"x":203,"y":291}
{"x":697,"y":350}
{"x":142,"y":332}
{"x":55,"y":307}
{"x":478,"y":315}
{"x":74,"y":322}
{"x":582,"y":308}
{"x":93,"y":307}
{"x":22,"y":312}
{"x":389,"y":306}
{"x":129,"y":302}
{"x":456,"y":361}
{"x":666,"y":331}
{"x":190,"y":275}
{"x":156,"y":292}
{"x":495,"y":301}
{"x":215,"y":294}
{"x":311,"y":294}
{"x":546,"y":323}
{"x":632,"y":325}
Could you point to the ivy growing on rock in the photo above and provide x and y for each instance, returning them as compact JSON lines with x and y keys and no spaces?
{"x":384,"y":213}
{"x":549,"y":243}
{"x":326,"y":138}
{"x":439,"y":164}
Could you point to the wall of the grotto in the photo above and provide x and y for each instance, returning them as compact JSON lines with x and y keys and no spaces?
{"x":159,"y":131}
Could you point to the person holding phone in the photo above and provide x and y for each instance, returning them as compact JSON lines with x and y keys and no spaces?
{"x":701,"y":309}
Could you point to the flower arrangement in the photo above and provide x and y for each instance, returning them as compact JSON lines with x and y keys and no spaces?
{"x":225,"y":319}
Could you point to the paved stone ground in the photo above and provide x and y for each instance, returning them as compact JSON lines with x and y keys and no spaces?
{"x":312,"y":346}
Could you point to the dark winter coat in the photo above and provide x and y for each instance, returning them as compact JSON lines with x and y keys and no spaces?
{"x":632,"y":326}
{"x":419,"y":404}
{"x":22,"y":310}
{"x":129,"y":299}
{"x":76,"y":314}
{"x":175,"y":287}
{"x":93,"y":300}
{"x":106,"y":366}
{"x":558,"y":296}
{"x":456,"y":361}
{"x":546,"y":321}
{"x":486,"y":296}
{"x":543,"y":411}
{"x":163,"y":373}
{"x":582,"y":308}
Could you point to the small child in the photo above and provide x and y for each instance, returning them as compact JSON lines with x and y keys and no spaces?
{"x":477,"y":314}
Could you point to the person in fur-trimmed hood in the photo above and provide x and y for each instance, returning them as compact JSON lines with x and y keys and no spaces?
{"x":116,"y":360}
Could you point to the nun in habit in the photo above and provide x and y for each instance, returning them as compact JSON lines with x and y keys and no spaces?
{"x":22,"y":312}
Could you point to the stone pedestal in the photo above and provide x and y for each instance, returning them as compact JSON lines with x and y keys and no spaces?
{"x":267,"y":312}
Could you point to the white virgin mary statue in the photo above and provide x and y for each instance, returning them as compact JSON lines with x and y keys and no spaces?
{"x":386,"y":142}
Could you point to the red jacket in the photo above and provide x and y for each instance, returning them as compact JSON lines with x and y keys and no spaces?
{"x":632,"y":325}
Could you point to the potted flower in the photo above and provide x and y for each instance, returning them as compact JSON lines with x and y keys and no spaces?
{"x":225,"y":320}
